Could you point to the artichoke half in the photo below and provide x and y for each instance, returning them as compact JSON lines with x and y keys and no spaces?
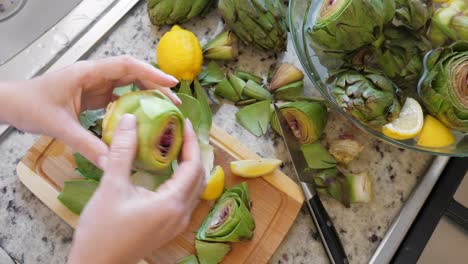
{"x":260,"y":23}
{"x":160,"y":127}
{"x":444,"y":86}
{"x":230,"y":219}
{"x":306,"y":120}
{"x":346,"y":25}
{"x":450,"y":23}
{"x":169,"y":12}
{"x":367,"y":95}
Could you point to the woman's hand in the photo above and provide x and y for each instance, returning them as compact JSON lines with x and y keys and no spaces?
{"x":50,"y":104}
{"x":123,"y":223}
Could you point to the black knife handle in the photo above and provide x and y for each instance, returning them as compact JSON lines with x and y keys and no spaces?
{"x":327,"y":231}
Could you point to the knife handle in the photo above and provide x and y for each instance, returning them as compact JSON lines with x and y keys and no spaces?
{"x":327,"y":231}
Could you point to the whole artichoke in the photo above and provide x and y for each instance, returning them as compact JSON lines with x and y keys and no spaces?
{"x":412,"y":14}
{"x":160,"y":127}
{"x":261,"y":23}
{"x":169,"y":12}
{"x":367,"y":95}
{"x":444,"y":86}
{"x":346,"y":25}
{"x":450,"y":23}
{"x":230,"y":219}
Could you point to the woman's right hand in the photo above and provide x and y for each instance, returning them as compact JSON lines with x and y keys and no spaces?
{"x":123,"y":223}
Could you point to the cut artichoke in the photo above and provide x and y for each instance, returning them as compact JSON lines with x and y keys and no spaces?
{"x":346,"y":25}
{"x":230,"y":219}
{"x":261,"y":23}
{"x":444,"y":87}
{"x":307,"y":120}
{"x":367,"y":95}
{"x":160,"y":127}
{"x":169,"y":12}
{"x":345,"y":150}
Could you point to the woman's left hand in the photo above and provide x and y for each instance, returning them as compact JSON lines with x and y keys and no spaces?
{"x":50,"y":104}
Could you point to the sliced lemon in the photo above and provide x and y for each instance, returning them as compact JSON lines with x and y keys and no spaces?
{"x":408,"y":124}
{"x":214,"y":185}
{"x":434,"y":134}
{"x":254,"y":168}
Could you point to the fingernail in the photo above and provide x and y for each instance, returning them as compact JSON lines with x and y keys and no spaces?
{"x":177,"y":98}
{"x":101,"y":162}
{"x":174,"y":79}
{"x":127,"y":122}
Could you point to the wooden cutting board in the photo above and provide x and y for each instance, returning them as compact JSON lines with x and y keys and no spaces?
{"x":276,"y":199}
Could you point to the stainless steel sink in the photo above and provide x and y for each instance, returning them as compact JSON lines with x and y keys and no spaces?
{"x":41,"y":35}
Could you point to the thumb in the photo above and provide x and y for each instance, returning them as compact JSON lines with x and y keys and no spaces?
{"x":122,"y":150}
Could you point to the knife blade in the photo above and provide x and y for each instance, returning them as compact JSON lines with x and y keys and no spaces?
{"x":330,"y":239}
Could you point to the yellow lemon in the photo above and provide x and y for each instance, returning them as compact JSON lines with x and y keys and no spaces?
{"x":179,"y":53}
{"x":254,"y":168}
{"x":408,"y":124}
{"x":434,"y":134}
{"x":215,"y":185}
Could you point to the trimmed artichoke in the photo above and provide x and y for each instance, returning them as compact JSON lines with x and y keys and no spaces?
{"x":444,"y":86}
{"x":367,"y":95}
{"x":400,"y":56}
{"x":450,"y":22}
{"x":261,"y":23}
{"x":230,"y":219}
{"x":307,"y":120}
{"x":160,"y":127}
{"x":412,"y":14}
{"x":169,"y":12}
{"x":346,"y":25}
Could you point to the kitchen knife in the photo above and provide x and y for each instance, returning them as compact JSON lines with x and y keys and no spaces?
{"x":330,"y":240}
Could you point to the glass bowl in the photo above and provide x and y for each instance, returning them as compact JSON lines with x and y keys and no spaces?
{"x":301,"y":17}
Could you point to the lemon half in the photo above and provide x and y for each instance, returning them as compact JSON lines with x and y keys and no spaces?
{"x":435,"y":134}
{"x":214,"y":185}
{"x":408,"y":124}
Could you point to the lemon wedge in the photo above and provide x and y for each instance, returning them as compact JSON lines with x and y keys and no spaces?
{"x":254,"y":168}
{"x":408,"y":124}
{"x":214,"y":185}
{"x":434,"y":134}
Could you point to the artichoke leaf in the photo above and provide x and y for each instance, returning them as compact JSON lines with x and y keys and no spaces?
{"x":317,"y":156}
{"x":211,"y":253}
{"x":255,"y":117}
{"x":86,"y":168}
{"x":211,"y":75}
{"x":76,"y":194}
{"x":192,"y":259}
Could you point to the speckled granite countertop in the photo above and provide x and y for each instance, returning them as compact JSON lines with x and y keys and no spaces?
{"x":32,"y":233}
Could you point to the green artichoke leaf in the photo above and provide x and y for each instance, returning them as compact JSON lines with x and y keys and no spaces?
{"x":227,"y":91}
{"x":211,"y":75}
{"x":119,"y":91}
{"x":76,"y":194}
{"x":192,"y":259}
{"x":306,"y":119}
{"x":160,"y":127}
{"x":210,"y":253}
{"x":255,"y":91}
{"x":317,"y":156}
{"x":237,"y":83}
{"x":185,"y":88}
{"x":246,"y":76}
{"x":412,"y":14}
{"x":206,"y":118}
{"x":92,"y":120}
{"x":443,"y":87}
{"x":191,"y":109}
{"x":255,"y":117}
{"x":290,"y":92}
{"x":367,"y":95}
{"x":86,"y":168}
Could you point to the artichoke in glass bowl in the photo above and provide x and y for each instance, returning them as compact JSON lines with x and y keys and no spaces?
{"x":444,"y":85}
{"x":367,"y":95}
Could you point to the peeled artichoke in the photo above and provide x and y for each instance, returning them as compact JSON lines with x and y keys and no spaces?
{"x":367,"y":95}
{"x":412,"y":14}
{"x":444,"y":87}
{"x":260,"y":23}
{"x":346,"y":25}
{"x":169,"y":12}
{"x":230,"y":219}
{"x":160,"y":127}
{"x":307,"y":120}
{"x":450,"y":22}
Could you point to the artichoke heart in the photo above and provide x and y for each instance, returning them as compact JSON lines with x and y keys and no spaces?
{"x":444,"y":86}
{"x":230,"y":219}
{"x":169,"y":12}
{"x":346,"y":25}
{"x":160,"y":127}
{"x":307,"y":120}
{"x":367,"y":95}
